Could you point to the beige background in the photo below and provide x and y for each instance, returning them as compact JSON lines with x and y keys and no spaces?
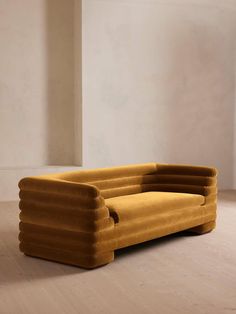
{"x":157,"y":83}
{"x":36,"y":83}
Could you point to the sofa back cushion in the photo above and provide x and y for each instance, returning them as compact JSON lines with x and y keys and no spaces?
{"x":116,"y":181}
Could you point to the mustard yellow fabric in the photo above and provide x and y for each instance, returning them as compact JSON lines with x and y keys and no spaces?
{"x":147,"y":204}
{"x":81,"y":217}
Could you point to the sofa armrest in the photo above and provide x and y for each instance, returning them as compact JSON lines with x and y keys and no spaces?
{"x":65,"y":221}
{"x":58,"y":186}
{"x":187,"y":179}
{"x":58,"y":203}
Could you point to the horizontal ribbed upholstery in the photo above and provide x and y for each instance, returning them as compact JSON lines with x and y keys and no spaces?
{"x":81,"y":217}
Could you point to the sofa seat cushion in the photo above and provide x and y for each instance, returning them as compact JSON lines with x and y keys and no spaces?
{"x":123,"y":208}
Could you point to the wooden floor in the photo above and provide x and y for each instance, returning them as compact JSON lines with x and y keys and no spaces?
{"x":176,"y":274}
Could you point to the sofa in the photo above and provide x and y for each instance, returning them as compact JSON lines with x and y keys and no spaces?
{"x":81,"y":217}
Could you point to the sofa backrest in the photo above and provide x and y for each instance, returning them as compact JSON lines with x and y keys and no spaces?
{"x":116,"y":181}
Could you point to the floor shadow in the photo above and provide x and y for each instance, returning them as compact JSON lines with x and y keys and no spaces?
{"x":21,"y":268}
{"x":135,"y":249}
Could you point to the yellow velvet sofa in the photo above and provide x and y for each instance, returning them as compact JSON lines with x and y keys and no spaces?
{"x":81,"y":217}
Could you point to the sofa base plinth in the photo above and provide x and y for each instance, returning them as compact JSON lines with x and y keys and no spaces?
{"x":66,"y":257}
{"x":205,"y":228}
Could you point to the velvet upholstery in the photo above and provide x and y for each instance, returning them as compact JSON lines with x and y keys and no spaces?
{"x":81,"y":217}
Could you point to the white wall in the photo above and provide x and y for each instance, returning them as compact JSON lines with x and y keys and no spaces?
{"x":158,"y":83}
{"x":36,"y":82}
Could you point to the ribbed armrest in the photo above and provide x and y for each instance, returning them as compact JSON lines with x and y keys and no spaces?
{"x":63,"y":204}
{"x":58,"y":186}
{"x":65,"y":221}
{"x":187,"y":179}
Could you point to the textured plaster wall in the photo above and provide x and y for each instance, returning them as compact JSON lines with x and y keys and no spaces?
{"x":36,"y":82}
{"x":158,"y":83}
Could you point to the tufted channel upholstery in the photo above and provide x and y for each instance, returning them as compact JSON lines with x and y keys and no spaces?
{"x":81,"y":217}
